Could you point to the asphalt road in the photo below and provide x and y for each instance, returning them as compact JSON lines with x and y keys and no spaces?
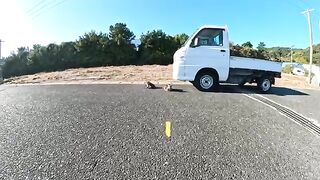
{"x":306,"y":102}
{"x":116,"y":132}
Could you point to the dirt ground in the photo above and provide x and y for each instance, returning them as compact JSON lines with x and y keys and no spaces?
{"x":128,"y":75}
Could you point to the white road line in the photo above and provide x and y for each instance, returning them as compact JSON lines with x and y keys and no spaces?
{"x":255,"y":99}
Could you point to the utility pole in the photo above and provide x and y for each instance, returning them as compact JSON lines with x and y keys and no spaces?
{"x":310,"y":36}
{"x":291,"y":53}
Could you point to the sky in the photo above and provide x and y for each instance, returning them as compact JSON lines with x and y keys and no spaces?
{"x":275,"y":22}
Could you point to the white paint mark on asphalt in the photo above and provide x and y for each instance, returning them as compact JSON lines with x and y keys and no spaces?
{"x":255,"y":99}
{"x":314,"y":121}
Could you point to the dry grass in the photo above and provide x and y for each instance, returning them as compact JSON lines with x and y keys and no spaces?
{"x":138,"y":74}
{"x":128,"y":74}
{"x":290,"y":80}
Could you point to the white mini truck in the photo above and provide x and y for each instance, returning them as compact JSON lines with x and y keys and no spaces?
{"x":205,"y":61}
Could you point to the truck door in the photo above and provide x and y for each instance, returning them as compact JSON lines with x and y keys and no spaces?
{"x":209,"y":49}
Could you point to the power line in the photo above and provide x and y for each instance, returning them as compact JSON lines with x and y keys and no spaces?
{"x":40,"y":8}
{"x":43,"y":10}
{"x":35,"y":6}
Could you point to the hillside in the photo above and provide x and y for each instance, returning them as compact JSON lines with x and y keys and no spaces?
{"x":281,"y":54}
{"x":298,"y":55}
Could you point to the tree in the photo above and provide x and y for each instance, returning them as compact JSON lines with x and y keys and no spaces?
{"x":38,"y":60}
{"x":92,"y":49}
{"x":262,"y":52}
{"x":17,"y":63}
{"x":121,"y":34}
{"x":180,"y":39}
{"x":247,"y":44}
{"x":156,"y":48}
{"x":122,"y":50}
{"x":68,"y":55}
{"x":235,"y":50}
{"x":246,"y":51}
{"x":279,"y":53}
{"x":261,"y":46}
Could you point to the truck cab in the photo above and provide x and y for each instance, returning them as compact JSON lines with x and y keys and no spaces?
{"x":205,"y":61}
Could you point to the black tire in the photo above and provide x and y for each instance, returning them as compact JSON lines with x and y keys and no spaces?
{"x":206,"y":82}
{"x":264,"y":84}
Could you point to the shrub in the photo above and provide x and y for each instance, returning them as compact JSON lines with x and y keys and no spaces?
{"x":287,"y":69}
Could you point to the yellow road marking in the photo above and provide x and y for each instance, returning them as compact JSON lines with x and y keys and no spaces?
{"x":167,"y":129}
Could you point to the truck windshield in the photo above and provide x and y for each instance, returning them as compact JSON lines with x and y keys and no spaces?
{"x":189,"y":39}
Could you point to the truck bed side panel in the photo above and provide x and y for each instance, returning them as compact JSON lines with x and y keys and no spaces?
{"x":254,"y":64}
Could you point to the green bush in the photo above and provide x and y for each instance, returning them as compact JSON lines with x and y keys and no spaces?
{"x":287,"y":69}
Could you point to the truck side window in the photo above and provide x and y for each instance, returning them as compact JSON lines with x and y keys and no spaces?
{"x":209,"y":37}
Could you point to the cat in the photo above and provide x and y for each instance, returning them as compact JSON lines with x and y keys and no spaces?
{"x":149,"y":85}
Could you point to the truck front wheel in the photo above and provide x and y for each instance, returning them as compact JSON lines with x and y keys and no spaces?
{"x":206,"y":81}
{"x":264,"y":84}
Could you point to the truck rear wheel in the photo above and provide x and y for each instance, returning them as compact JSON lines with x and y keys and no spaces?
{"x":206,"y":81}
{"x":264,"y":84}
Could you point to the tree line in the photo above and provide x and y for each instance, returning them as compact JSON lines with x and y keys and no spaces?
{"x":279,"y":54}
{"x":116,"y":48}
{"x":95,"y":49}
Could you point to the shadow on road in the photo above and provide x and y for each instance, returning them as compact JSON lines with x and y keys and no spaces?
{"x":178,"y":90}
{"x":279,"y":91}
{"x":172,"y":90}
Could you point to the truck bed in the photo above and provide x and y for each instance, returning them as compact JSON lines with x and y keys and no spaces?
{"x":255,"y":64}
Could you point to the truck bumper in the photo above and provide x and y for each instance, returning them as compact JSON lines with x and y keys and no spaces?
{"x":184,"y":73}
{"x":178,"y":71}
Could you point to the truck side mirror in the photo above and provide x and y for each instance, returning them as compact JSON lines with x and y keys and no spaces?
{"x":195,"y":42}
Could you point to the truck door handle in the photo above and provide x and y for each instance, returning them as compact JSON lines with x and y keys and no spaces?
{"x":222,"y":50}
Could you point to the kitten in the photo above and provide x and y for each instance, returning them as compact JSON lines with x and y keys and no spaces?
{"x":167,"y":87}
{"x":149,"y":85}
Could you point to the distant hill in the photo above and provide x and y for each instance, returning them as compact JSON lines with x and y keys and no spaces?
{"x":298,"y":55}
{"x":279,"y":54}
